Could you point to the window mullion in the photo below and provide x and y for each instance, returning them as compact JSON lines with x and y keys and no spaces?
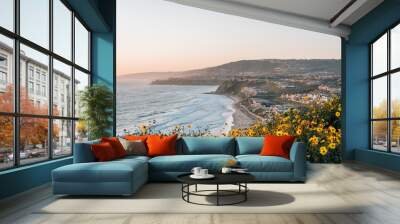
{"x":389,"y":104}
{"x":16,"y":69}
{"x":73,"y":82}
{"x":50,"y":81}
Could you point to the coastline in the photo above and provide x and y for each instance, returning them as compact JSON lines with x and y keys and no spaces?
{"x":241,"y":117}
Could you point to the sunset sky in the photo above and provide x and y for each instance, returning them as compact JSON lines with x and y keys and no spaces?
{"x":157,"y":35}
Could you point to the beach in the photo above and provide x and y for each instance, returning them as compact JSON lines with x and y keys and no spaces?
{"x":242,"y":118}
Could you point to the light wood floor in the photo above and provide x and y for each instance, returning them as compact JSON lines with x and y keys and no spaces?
{"x":378,"y":189}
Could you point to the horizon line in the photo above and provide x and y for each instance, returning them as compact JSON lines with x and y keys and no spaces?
{"x":190,"y":69}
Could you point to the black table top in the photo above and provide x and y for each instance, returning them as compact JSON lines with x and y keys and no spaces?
{"x":220,"y":178}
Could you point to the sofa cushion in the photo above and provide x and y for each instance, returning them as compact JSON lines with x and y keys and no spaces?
{"x":103,"y":152}
{"x":136,"y":147}
{"x":249,"y":145}
{"x":116,"y":145}
{"x":206,"y":145}
{"x":185,"y":163}
{"x":112,"y":171}
{"x":277,"y":146}
{"x":257,"y":163}
{"x":159,"y":145}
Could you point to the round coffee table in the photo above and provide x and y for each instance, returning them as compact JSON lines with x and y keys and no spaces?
{"x":238,"y":179}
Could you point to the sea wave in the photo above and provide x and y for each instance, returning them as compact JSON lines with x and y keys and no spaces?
{"x":139,"y":103}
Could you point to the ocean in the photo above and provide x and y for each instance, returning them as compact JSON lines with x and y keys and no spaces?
{"x":166,"y":106}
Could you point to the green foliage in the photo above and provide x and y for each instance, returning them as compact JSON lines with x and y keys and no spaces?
{"x":97,"y":105}
{"x":317,"y":125}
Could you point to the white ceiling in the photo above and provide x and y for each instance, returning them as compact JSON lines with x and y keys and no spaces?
{"x":320,"y":9}
{"x":314,"y":15}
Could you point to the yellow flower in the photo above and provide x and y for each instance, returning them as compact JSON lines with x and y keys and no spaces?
{"x":251,"y":132}
{"x":314,"y":140}
{"x":337,"y":114}
{"x":323,"y":151}
{"x":298,"y":131}
{"x":332,"y":145}
{"x":279,"y":133}
{"x":332,"y":129}
{"x":319,"y":130}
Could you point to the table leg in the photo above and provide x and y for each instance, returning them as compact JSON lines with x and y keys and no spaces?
{"x":245,"y":193}
{"x":195,"y":188}
{"x":188,"y":190}
{"x":217,"y":194}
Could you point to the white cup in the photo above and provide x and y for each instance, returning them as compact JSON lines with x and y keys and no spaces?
{"x":226,"y":170}
{"x":203,"y":172}
{"x":196,"y":171}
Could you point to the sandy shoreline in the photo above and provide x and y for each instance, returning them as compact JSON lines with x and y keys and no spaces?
{"x":241,"y":117}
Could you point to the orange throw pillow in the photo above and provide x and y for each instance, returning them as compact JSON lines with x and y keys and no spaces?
{"x":277,"y":146}
{"x":136,"y":138}
{"x":116,"y":145}
{"x":103,"y":152}
{"x":161,"y":145}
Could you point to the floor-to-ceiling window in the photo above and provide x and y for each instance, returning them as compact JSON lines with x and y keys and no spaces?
{"x":385,"y":91}
{"x":44,"y":64}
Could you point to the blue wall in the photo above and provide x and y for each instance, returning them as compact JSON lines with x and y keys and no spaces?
{"x":24,"y":178}
{"x":100,"y":17}
{"x":356,"y":85}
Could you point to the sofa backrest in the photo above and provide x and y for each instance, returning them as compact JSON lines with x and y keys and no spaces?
{"x":249,"y":145}
{"x":190,"y":146}
{"x":83,"y":152}
{"x":206,"y":145}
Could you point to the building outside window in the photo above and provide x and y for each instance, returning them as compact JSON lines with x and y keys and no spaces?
{"x":30,"y":72}
{"x":43,"y":90}
{"x":30,"y":87}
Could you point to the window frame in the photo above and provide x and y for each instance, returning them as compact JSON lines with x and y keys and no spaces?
{"x":388,"y":74}
{"x":16,"y":114}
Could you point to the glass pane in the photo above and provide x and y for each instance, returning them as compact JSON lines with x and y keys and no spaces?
{"x":395,"y":47}
{"x":7,"y":14}
{"x":62,"y":29}
{"x":6,"y":74}
{"x":379,"y":97}
{"x":62,"y":89}
{"x":395,"y":136}
{"x":35,"y":21}
{"x":62,"y":138}
{"x":33,"y":139}
{"x":81,"y":81}
{"x":379,"y":135}
{"x":379,"y":55}
{"x":34,"y":97}
{"x":6,"y":142}
{"x":81,"y":131}
{"x":81,"y":45}
{"x":395,"y":94}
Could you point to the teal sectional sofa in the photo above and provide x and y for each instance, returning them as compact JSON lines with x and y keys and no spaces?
{"x":125,"y":176}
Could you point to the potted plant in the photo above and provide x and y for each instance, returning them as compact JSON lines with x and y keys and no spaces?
{"x":96,"y":102}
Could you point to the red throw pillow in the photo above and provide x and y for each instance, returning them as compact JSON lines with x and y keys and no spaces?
{"x":277,"y":146}
{"x":116,"y":145}
{"x":161,"y":145}
{"x":103,"y":152}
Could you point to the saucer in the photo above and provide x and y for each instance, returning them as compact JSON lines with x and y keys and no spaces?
{"x":208,"y":176}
